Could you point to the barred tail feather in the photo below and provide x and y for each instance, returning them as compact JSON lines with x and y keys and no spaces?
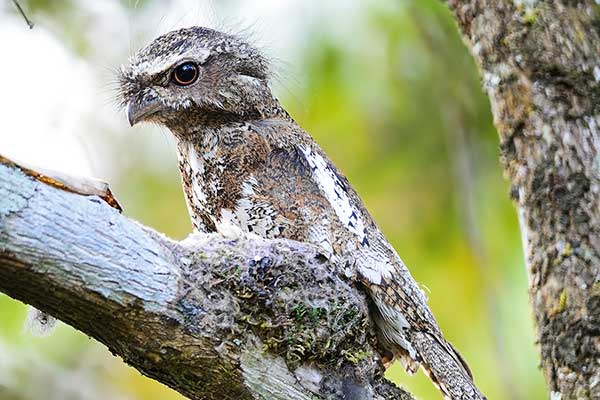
{"x":445,"y":367}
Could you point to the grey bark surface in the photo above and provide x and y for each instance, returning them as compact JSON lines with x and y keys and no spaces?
{"x":211,"y":317}
{"x":540,"y":63}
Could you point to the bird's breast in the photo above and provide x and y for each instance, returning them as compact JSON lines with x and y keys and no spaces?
{"x":293,"y":193}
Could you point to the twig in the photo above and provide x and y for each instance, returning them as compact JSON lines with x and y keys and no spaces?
{"x":29,"y":23}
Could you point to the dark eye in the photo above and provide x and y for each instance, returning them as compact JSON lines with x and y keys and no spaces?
{"x":185,"y":74}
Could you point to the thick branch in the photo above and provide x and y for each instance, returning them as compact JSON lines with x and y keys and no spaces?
{"x":540,"y":62}
{"x":213,"y":318}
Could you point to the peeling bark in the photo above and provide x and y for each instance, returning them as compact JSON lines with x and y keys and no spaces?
{"x":540,"y":63}
{"x":211,"y":317}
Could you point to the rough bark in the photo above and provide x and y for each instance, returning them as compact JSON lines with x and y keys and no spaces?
{"x":214,"y":318}
{"x":540,"y":62}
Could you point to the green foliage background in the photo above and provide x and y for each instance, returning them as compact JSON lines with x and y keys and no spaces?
{"x":398,"y":107}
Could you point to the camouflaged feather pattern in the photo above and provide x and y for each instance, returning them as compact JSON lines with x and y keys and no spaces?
{"x":245,"y":162}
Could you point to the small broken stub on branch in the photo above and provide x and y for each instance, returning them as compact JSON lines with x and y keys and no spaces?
{"x":75,"y":184}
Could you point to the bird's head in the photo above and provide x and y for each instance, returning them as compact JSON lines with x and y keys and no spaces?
{"x":196,"y":75}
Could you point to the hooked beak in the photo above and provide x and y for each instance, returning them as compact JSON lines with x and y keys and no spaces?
{"x":139,"y":110}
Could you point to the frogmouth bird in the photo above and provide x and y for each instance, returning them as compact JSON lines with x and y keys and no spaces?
{"x":246,"y":163}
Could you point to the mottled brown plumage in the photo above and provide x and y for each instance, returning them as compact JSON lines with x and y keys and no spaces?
{"x":245,"y":163}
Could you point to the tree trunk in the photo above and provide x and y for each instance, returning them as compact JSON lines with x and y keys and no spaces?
{"x":540,"y":62}
{"x":214,"y":318}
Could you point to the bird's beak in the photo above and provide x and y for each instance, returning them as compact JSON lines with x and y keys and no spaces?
{"x":140,"y":109}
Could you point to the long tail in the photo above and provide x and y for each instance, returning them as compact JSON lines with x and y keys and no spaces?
{"x":408,"y":329}
{"x":445,"y":367}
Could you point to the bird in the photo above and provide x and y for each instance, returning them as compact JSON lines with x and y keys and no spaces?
{"x":247,"y":165}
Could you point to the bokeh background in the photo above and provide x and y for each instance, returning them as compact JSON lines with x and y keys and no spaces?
{"x":385,"y":86}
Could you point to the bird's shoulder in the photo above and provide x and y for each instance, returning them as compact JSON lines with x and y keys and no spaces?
{"x":298,"y":181}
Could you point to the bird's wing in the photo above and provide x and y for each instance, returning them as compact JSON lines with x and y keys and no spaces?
{"x":403,"y":316}
{"x":300,"y":181}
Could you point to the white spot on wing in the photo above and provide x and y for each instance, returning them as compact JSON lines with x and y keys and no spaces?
{"x":373,"y":264}
{"x":374,"y":270}
{"x":333,"y":189}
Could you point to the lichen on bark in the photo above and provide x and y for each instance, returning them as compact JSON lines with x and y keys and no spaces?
{"x":540,"y":63}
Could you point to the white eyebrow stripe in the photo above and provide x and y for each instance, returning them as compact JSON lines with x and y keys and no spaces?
{"x":163,"y":64}
{"x":331,"y":187}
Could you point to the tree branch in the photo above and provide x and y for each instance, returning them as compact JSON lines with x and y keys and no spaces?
{"x":211,"y":317}
{"x":540,"y":62}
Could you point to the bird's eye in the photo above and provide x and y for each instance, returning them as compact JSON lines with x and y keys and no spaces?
{"x":185,"y":74}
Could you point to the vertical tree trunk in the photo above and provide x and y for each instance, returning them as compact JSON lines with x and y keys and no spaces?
{"x":540,"y":62}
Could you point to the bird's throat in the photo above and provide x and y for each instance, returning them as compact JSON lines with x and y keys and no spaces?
{"x":199,"y":168}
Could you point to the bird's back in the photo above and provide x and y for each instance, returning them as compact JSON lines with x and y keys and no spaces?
{"x":270,"y":178}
